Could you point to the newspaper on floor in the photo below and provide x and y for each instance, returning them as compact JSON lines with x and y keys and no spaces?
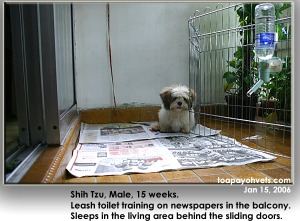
{"x":104,"y":133}
{"x":143,"y":156}
{"x":170,"y":153}
{"x":212,"y":151}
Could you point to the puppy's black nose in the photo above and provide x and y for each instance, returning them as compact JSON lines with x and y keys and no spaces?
{"x":179,"y":103}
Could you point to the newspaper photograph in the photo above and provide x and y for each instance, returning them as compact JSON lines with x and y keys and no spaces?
{"x":104,"y":133}
{"x":121,"y":157}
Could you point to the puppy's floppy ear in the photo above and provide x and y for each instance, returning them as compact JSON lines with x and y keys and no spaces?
{"x":192,"y":97}
{"x":166,"y":98}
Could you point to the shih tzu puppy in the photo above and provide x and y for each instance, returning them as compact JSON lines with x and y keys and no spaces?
{"x":176,"y":114}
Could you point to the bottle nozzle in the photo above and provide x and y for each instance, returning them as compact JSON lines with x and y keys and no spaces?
{"x":254,"y":88}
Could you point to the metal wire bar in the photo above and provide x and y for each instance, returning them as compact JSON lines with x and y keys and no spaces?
{"x":215,"y":37}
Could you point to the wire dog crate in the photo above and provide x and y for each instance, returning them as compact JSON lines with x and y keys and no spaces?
{"x":223,"y":67}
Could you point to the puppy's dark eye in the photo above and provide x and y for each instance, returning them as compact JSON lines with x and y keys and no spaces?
{"x":173,"y":99}
{"x":186,"y":100}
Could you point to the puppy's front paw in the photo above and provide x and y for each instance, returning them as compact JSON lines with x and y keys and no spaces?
{"x":154,"y":126}
{"x":185,"y":130}
{"x":165,"y":129}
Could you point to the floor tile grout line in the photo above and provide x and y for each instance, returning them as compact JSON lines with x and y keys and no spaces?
{"x":197,"y":176}
{"x":272,"y":178}
{"x":276,"y":164}
{"x":211,"y":174}
{"x":226,"y":172}
{"x":280,"y":165}
{"x":129,"y":177}
{"x":163,"y":176}
{"x":258,"y":170}
{"x":147,"y":179}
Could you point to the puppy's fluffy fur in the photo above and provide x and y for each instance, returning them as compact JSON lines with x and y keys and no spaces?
{"x":176,"y":114}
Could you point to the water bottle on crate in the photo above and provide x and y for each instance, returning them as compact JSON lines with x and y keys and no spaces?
{"x":264,"y":31}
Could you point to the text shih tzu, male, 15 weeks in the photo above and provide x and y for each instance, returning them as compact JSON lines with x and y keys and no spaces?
{"x":176,"y":113}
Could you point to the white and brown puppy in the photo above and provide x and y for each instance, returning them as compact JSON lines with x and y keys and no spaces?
{"x":176,"y":114}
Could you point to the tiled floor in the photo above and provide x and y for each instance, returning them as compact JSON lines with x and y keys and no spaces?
{"x":271,"y":140}
{"x":278,"y":169}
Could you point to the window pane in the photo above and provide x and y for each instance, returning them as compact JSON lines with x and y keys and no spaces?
{"x":64,"y":56}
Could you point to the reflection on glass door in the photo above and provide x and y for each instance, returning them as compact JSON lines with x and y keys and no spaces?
{"x":11,"y":117}
{"x":40,"y":103}
{"x":64,"y":56}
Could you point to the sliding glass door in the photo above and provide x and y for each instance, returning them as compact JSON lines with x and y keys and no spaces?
{"x":40,"y":102}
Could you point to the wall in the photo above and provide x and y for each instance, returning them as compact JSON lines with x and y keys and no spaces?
{"x":150,"y":50}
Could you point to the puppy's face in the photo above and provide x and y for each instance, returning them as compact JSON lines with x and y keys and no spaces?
{"x":177,"y":98}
